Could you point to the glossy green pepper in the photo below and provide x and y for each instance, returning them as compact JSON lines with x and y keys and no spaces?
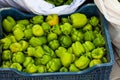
{"x":15,"y":47}
{"x":56,"y":29}
{"x":20,"y":26}
{"x":16,"y":66}
{"x":39,"y":52}
{"x":88,"y":45}
{"x":54,"y":65}
{"x":24,"y":44}
{"x":37,"y":30}
{"x":18,"y":33}
{"x":82,"y":62}
{"x":28,"y":60}
{"x":51,"y":36}
{"x":78,"y":20}
{"x":94,"y":21}
{"x":46,"y":27}
{"x":12,"y":38}
{"x":23,"y":21}
{"x":63,"y":69}
{"x":48,"y":51}
{"x":77,"y":35}
{"x":18,"y":57}
{"x":45,"y":59}
{"x":41,"y":69}
{"x":37,"y":19}
{"x":89,"y":36}
{"x":66,"y":28}
{"x":66,"y":59}
{"x":78,"y":48}
{"x":60,"y":51}
{"x":30,"y":51}
{"x":99,"y":41}
{"x":98,"y":52}
{"x":28,"y":33}
{"x":6,"y":55}
{"x":31,"y":68}
{"x":54,"y":44}
{"x":6,"y":42}
{"x":73,"y":68}
{"x":65,"y":41}
{"x":94,"y":62}
{"x":8,"y":23}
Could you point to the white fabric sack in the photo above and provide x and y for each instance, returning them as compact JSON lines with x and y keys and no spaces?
{"x":43,"y":7}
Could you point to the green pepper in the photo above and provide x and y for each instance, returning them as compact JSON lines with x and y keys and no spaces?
{"x":65,"y":41}
{"x":64,"y":20}
{"x":60,"y":51}
{"x":28,"y":33}
{"x":18,"y":33}
{"x":54,"y":44}
{"x":78,"y":20}
{"x":6,"y":64}
{"x":12,"y":38}
{"x":54,"y":65}
{"x":30,"y":51}
{"x":37,"y":19}
{"x":41,"y":69}
{"x":31,"y":68}
{"x":66,"y":59}
{"x":66,"y":28}
{"x":87,"y":27}
{"x":16,"y":66}
{"x":24,"y":44}
{"x":39,"y":52}
{"x":73,"y":68}
{"x":89,"y":55}
{"x":94,"y":62}
{"x":37,"y":30}
{"x":51,"y":36}
{"x":99,"y":41}
{"x":46,"y":27}
{"x":56,"y":29}
{"x":104,"y":60}
{"x":89,"y":36}
{"x":20,"y":26}
{"x":6,"y":42}
{"x":52,"y":19}
{"x":45,"y":59}
{"x":49,"y":51}
{"x":94,"y":21}
{"x":82,"y":62}
{"x":18,"y":57}
{"x":63,"y":69}
{"x":8,"y":23}
{"x":28,"y":60}
{"x":24,"y":22}
{"x":77,"y":35}
{"x":15,"y":47}
{"x":37,"y":61}
{"x":6,"y":55}
{"x":78,"y":48}
{"x":88,"y":45}
{"x":98,"y":52}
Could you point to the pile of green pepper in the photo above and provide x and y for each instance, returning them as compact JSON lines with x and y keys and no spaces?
{"x":52,"y":43}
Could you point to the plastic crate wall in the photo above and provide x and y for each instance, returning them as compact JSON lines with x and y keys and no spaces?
{"x":99,"y":72}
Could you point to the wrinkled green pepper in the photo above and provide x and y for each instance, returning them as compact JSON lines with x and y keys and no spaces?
{"x":20,"y":26}
{"x":60,"y":51}
{"x":54,"y":65}
{"x":39,"y":52}
{"x":6,"y":55}
{"x":28,"y":33}
{"x":28,"y":60}
{"x":45,"y":59}
{"x":94,"y":21}
{"x":73,"y":68}
{"x":37,"y":19}
{"x":16,"y":66}
{"x":54,"y":44}
{"x":24,"y":44}
{"x":6,"y":64}
{"x":8,"y":23}
{"x":89,"y":36}
{"x":41,"y":69}
{"x":94,"y":62}
{"x":15,"y":47}
{"x":31,"y":68}
{"x":87,"y":27}
{"x":88,"y":45}
{"x":56,"y":29}
{"x":6,"y":42}
{"x":46,"y":27}
{"x":51,"y":36}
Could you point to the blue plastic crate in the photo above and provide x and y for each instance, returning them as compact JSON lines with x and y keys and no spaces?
{"x":98,"y":72}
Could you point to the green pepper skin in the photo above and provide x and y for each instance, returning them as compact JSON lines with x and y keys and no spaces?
{"x":45,"y":59}
{"x":27,"y":61}
{"x":88,"y":45}
{"x":46,"y":27}
{"x":51,"y":36}
{"x":94,"y":62}
{"x":6,"y":64}
{"x":8,"y":23}
{"x":98,"y":52}
{"x":63,"y":69}
{"x":82,"y":62}
{"x":94,"y":21}
{"x":16,"y":66}
{"x":89,"y":36}
{"x":73,"y":68}
{"x":31,"y":68}
{"x":24,"y":44}
{"x":54,"y":44}
{"x":20,"y":26}
{"x":37,"y":19}
{"x":28,"y":33}
{"x":60,"y":51}
{"x":56,"y":29}
{"x":41,"y":69}
{"x":66,"y":28}
{"x":87,"y":27}
{"x":78,"y":48}
{"x":65,"y":41}
{"x":6,"y":55}
{"x":39,"y":52}
{"x":18,"y":57}
{"x":24,"y":22}
{"x":54,"y":65}
{"x":78,"y":20}
{"x":66,"y":59}
{"x":6,"y":42}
